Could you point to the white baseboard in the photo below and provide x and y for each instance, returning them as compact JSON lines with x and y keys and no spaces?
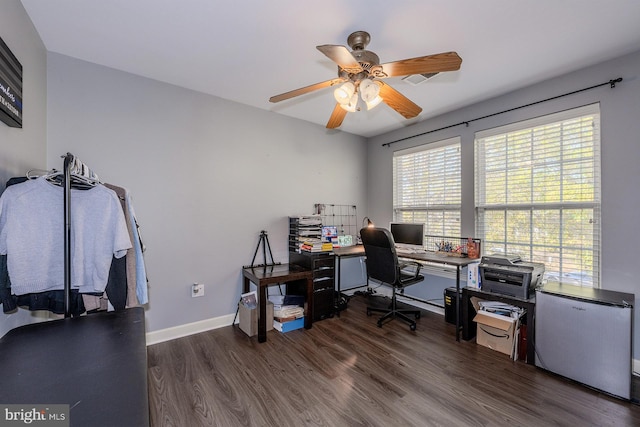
{"x":162,"y":335}
{"x":636,"y":367}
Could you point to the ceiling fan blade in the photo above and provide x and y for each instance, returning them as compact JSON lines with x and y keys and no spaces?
{"x":448,"y":61}
{"x":337,"y":117}
{"x":394,"y":99}
{"x":341,"y":56}
{"x":306,"y":89}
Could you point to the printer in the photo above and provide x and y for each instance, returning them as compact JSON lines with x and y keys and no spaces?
{"x":509,"y":275}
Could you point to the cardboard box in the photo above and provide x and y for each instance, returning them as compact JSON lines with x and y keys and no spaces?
{"x":473,"y":276}
{"x":496,"y":332}
{"x":248,"y":319}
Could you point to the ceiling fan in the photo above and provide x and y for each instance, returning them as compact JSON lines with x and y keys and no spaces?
{"x":360,"y":71}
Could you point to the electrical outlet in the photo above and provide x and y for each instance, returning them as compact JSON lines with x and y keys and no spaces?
{"x":197,"y":290}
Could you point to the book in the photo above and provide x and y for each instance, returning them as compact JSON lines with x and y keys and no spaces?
{"x":284,"y":319}
{"x":288,"y":326}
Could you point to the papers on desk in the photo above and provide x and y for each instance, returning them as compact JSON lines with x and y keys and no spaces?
{"x":310,"y":220}
{"x":305,"y":234}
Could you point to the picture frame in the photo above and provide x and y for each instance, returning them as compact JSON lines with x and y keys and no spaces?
{"x":250,"y":299}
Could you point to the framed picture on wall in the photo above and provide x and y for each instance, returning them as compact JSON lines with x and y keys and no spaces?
{"x":10,"y":87}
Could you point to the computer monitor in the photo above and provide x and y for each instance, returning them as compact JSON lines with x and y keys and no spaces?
{"x":408,"y":234}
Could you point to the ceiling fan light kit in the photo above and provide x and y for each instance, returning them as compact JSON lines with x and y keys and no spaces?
{"x":344,"y":93}
{"x":368,"y":90}
{"x":360,"y":71}
{"x":351,"y":105}
{"x":347,"y":95}
{"x":375,"y":101}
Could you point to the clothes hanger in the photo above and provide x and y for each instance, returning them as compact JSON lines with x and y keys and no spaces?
{"x":37,"y":173}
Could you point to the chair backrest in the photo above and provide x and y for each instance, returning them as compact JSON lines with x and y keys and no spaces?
{"x":382,"y":259}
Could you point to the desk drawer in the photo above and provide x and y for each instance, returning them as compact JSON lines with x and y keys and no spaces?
{"x":323,"y":262}
{"x":323,"y":272}
{"x":323,"y":283}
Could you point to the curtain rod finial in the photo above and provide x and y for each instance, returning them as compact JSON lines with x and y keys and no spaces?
{"x":613,"y":82}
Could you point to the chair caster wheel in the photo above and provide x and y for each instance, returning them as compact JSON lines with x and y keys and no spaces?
{"x":368,"y":312}
{"x":417,"y":316}
{"x":379,"y":325}
{"x":412,"y":326}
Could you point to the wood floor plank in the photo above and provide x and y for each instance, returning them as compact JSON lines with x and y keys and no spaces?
{"x":346,"y":371}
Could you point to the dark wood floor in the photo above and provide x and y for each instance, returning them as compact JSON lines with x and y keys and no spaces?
{"x":346,"y":371}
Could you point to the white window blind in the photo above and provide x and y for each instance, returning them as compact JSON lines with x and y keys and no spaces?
{"x":427,"y":187}
{"x":538,"y":193}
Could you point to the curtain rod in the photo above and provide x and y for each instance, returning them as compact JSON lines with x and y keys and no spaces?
{"x":612,"y":83}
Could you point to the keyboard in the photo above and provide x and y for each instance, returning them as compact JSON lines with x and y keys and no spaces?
{"x":405,"y":251}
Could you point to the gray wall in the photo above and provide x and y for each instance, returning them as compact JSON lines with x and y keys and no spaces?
{"x":620,"y":122}
{"x":206,"y":175}
{"x":23,"y":149}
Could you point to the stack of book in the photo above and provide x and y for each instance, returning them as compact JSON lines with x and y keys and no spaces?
{"x":315,"y":245}
{"x":285,"y":313}
{"x":305,"y":233}
{"x":288,"y":312}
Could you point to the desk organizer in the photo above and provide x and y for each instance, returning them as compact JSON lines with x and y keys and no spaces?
{"x":465,"y":247}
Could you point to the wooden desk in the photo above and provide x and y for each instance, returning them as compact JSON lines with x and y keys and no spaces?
{"x":428,"y":257}
{"x":265,"y":276}
{"x":527,"y":304}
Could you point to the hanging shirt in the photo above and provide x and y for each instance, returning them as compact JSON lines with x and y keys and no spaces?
{"x":32,"y":236}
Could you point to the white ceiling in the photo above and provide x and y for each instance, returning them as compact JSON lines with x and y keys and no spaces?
{"x":248,"y":51}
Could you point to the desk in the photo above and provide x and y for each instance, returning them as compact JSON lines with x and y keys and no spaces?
{"x":345,"y":252}
{"x":527,"y":304}
{"x":265,"y":276}
{"x":458,"y":262}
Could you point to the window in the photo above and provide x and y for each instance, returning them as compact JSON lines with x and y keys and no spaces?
{"x":538,"y":193}
{"x":427,"y":187}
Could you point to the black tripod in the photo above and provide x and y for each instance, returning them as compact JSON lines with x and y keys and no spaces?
{"x":264,"y":240}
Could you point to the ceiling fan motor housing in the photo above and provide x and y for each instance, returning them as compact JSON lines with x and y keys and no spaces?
{"x":358,"y":40}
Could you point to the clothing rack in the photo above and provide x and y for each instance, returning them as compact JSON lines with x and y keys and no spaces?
{"x":71,"y":163}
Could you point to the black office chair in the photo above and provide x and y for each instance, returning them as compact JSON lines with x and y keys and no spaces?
{"x":383,"y":266}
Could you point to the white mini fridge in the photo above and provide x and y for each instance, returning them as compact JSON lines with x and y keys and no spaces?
{"x":585,"y":334}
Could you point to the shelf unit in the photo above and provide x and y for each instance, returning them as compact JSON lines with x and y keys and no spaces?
{"x":301,"y":227}
{"x":322,"y":264}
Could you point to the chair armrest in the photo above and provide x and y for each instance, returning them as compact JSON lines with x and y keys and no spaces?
{"x":415,"y":264}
